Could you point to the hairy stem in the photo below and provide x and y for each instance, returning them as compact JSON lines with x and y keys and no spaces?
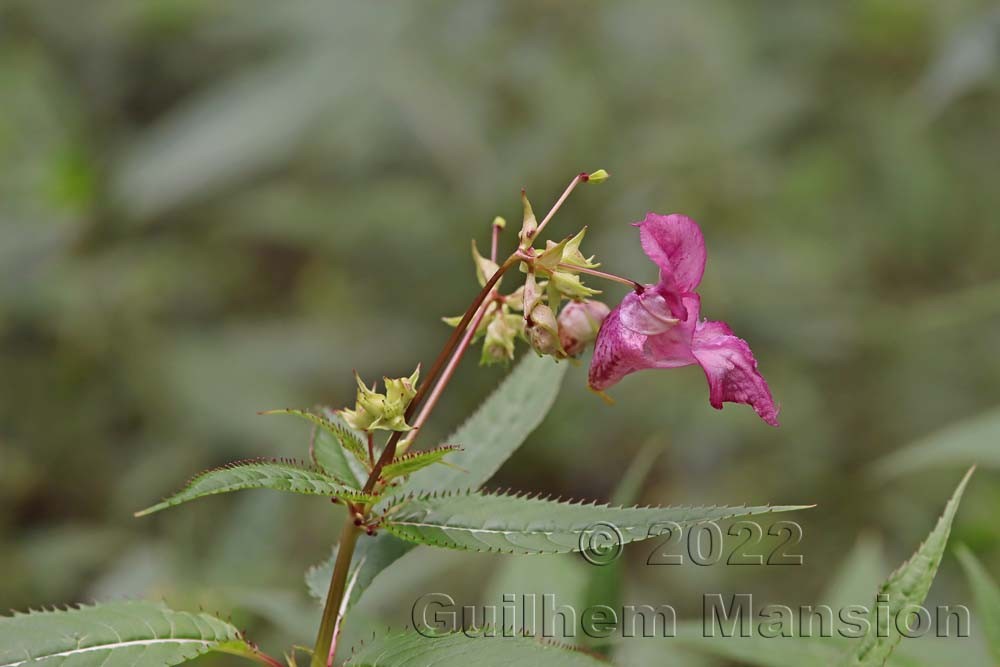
{"x":325,"y":640}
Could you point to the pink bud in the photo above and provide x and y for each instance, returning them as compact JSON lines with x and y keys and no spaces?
{"x":579,"y":323}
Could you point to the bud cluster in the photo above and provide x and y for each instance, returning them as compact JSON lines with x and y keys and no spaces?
{"x":386,"y":411}
{"x":552,"y":277}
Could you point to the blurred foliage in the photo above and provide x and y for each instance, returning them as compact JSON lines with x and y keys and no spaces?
{"x":209,"y":209}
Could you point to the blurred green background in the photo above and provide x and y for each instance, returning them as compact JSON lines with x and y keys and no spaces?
{"x":210,"y":209}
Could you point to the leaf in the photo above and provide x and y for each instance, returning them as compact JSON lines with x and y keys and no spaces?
{"x":410,"y":649}
{"x":967,"y":442}
{"x":371,"y":556}
{"x":987,"y":598}
{"x":908,"y":585}
{"x":523,"y":525}
{"x":495,"y":431}
{"x":604,"y":585}
{"x":328,"y":452}
{"x":414,"y":461}
{"x":140,"y":634}
{"x":530,"y":579}
{"x":492,"y":434}
{"x":280,"y":475}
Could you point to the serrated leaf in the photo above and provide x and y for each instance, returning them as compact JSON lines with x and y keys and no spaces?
{"x":411,"y":649}
{"x":522,"y":525}
{"x":327,"y":453}
{"x":371,"y":556}
{"x":414,"y":461}
{"x":332,"y":437}
{"x":140,"y":634}
{"x":493,"y":434}
{"x":987,"y":598}
{"x":261,"y":474}
{"x":967,"y":442}
{"x":500,"y":425}
{"x":604,"y":584}
{"x":908,"y":585}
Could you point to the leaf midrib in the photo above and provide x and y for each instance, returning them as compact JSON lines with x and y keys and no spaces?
{"x":110,"y":647}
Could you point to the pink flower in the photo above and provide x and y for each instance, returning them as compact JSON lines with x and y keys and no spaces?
{"x":660,"y":327}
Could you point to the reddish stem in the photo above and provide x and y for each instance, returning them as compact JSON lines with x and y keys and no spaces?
{"x":449,"y":370}
{"x":579,"y":178}
{"x":493,"y":243}
{"x":602,"y":274}
{"x":390,"y":447}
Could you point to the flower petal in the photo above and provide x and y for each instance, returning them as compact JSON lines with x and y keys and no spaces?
{"x":675,"y":244}
{"x":731,"y":370}
{"x":618,"y":351}
{"x":672,"y":348}
{"x":651,"y":312}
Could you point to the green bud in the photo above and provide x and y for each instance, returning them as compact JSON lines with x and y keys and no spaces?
{"x":358,"y":419}
{"x":499,"y":222}
{"x":573,"y":256}
{"x":485,"y":268}
{"x":515,"y":300}
{"x":481,"y":329}
{"x":530,"y":225}
{"x":531,"y":296}
{"x":566,"y":252}
{"x":549,"y":258}
{"x":543,"y":332}
{"x":500,"y":336}
{"x":570,"y":285}
{"x":383,"y":411}
{"x":598,"y":176}
{"x":553,"y":297}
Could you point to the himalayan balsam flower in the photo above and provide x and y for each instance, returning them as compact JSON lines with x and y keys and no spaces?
{"x":660,"y":327}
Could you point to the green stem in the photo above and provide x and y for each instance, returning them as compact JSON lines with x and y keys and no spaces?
{"x":446,"y":375}
{"x":579,"y":178}
{"x":331,"y":612}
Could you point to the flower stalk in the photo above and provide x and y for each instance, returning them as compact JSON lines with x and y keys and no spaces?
{"x":603,"y":274}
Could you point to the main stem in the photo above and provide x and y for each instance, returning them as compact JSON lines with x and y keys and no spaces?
{"x":349,"y":535}
{"x":322,"y":653}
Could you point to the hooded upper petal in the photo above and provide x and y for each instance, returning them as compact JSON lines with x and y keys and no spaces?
{"x":731,"y":370}
{"x":675,"y":244}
